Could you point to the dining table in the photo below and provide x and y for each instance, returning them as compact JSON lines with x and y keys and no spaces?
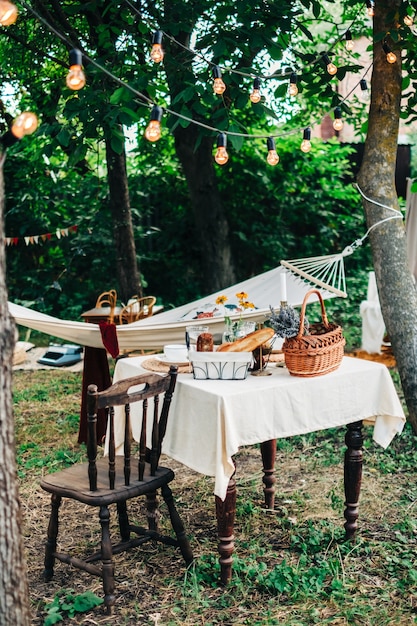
{"x":210,"y":420}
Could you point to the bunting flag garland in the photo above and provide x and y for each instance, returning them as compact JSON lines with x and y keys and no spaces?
{"x":35,"y":239}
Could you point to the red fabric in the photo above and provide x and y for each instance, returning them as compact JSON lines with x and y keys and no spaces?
{"x":96,"y":371}
{"x":109,"y":338}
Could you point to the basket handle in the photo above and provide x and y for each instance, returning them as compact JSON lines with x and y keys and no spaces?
{"x":303,"y":311}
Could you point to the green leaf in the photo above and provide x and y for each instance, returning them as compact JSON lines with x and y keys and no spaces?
{"x":120,"y":95}
{"x":63,"y":137}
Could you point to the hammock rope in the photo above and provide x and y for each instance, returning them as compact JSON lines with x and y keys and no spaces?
{"x":328,"y":271}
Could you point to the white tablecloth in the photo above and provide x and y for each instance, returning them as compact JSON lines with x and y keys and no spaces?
{"x":210,"y":420}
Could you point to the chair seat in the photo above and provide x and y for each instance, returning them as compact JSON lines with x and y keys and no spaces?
{"x":73,"y":483}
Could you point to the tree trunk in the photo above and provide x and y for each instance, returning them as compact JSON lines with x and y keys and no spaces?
{"x":210,"y":217}
{"x":211,"y":225}
{"x":376,"y":179}
{"x":126,"y":263}
{"x":14,"y":594}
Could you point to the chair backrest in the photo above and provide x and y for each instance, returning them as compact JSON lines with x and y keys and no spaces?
{"x":136,"y":309}
{"x":107,"y":299}
{"x":124,"y":393}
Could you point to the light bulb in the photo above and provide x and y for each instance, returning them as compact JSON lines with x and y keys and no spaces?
{"x":306,"y":143}
{"x":272,"y":157}
{"x":349,"y":41}
{"x":153,"y":129}
{"x":157,"y":54}
{"x":391,"y":56}
{"x":218,"y":86}
{"x":75,"y":78}
{"x":8,"y":13}
{"x":221,"y":157}
{"x":293,"y":89}
{"x":364,"y":93}
{"x":25,"y":124}
{"x":408,"y":20}
{"x":370,"y":8}
{"x":331,"y":67}
{"x":338,"y":122}
{"x":255,"y":96}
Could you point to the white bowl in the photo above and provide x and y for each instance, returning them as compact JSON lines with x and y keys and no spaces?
{"x":176,"y":353}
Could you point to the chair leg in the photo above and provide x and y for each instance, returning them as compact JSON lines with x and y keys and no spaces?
{"x":107,"y":559}
{"x":123,"y":521}
{"x":177,"y":525}
{"x":152,"y":510}
{"x":50,"y":545}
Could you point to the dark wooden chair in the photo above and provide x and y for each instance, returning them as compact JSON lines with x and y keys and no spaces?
{"x":114,"y":479}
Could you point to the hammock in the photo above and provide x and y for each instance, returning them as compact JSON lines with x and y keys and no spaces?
{"x":154,"y":332}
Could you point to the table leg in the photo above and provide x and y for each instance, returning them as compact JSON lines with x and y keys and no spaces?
{"x":225,"y":513}
{"x":269,"y":451}
{"x":353,"y":476}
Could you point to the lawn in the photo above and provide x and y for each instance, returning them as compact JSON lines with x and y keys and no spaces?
{"x":291,"y":566}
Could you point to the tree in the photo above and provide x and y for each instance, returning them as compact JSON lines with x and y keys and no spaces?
{"x":396,"y":288}
{"x":14,"y":593}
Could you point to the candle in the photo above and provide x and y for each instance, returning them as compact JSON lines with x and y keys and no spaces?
{"x":283,"y":286}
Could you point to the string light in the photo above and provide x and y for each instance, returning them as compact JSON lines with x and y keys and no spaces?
{"x":255,"y":96}
{"x":75,"y":78}
{"x":218,"y":86}
{"x":338,"y":122}
{"x":8,"y":13}
{"x":153,"y":129}
{"x":331,"y":67}
{"x":217,"y":73}
{"x":306,"y":143}
{"x":157,"y":54}
{"x":272,"y":158}
{"x":349,"y":40}
{"x":24,"y":124}
{"x":391,"y":56}
{"x":293,"y":89}
{"x":221,"y":157}
{"x":370,"y":8}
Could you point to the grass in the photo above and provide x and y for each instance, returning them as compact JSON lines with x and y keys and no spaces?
{"x":292,"y":566}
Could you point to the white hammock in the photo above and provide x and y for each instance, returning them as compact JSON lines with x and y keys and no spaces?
{"x":152,"y":333}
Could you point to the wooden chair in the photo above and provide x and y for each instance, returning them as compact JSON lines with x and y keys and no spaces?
{"x":114,"y":480}
{"x":107,"y":299}
{"x":137,"y":309}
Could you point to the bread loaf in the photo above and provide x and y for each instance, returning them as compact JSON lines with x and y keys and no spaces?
{"x":205,"y":342}
{"x":248,"y":343}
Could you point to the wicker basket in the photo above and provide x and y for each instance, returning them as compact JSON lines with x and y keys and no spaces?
{"x":318,"y":352}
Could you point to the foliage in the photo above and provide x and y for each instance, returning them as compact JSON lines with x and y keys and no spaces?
{"x":266,"y":207}
{"x":68,"y":604}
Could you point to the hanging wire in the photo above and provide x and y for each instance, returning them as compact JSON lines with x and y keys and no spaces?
{"x":145,"y":100}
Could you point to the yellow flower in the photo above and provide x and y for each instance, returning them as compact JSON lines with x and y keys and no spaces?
{"x":247,"y":305}
{"x":221,"y":299}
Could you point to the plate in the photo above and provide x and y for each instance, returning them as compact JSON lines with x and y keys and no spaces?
{"x":164,"y":359}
